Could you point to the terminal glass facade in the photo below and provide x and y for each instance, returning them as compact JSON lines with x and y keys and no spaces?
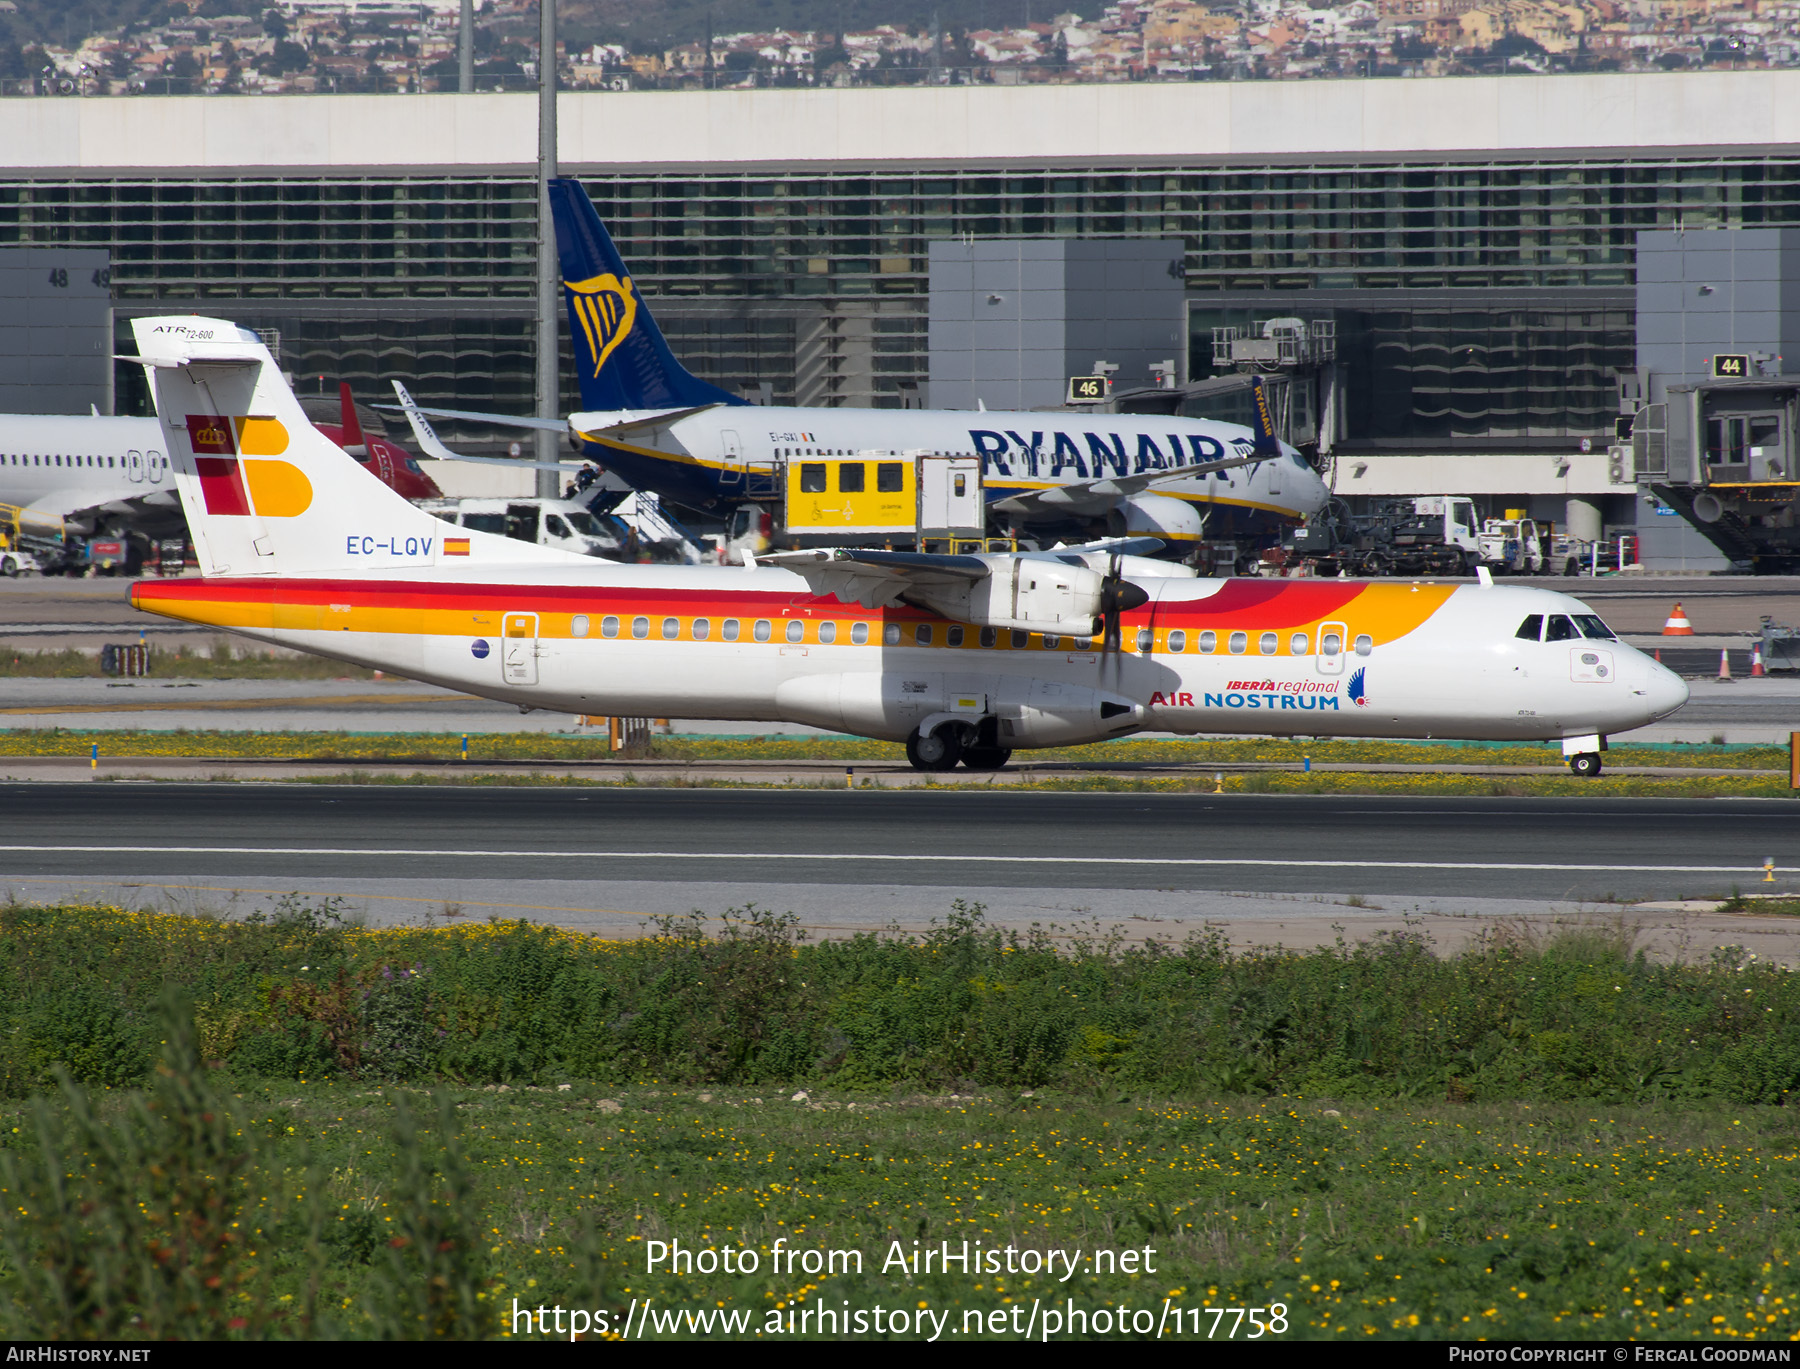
{"x":814,"y":283}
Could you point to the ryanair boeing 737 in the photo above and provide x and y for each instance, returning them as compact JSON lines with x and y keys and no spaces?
{"x":688,"y":441}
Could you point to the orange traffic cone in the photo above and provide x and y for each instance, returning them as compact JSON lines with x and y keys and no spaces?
{"x":1678,"y":625}
{"x":1724,"y":664}
{"x":1756,"y":665}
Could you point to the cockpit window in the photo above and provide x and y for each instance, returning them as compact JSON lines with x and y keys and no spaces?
{"x":1561,"y":629}
{"x":1591,"y":626}
{"x":1532,"y":628}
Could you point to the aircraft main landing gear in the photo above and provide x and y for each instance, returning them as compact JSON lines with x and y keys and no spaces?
{"x":953,"y":743}
{"x":940,"y":750}
{"x":1586,"y":765}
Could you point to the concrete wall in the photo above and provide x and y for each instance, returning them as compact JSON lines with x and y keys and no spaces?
{"x":1011,"y":319}
{"x":1082,"y":124}
{"x":55,"y":330}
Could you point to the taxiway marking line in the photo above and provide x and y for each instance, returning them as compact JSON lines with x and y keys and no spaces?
{"x":1177,"y":861}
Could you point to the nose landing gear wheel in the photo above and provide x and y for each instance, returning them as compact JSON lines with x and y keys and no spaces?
{"x":1586,"y":765}
{"x":939,"y":751}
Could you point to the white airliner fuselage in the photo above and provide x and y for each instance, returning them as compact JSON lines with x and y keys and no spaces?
{"x":54,"y":466}
{"x":712,"y":456}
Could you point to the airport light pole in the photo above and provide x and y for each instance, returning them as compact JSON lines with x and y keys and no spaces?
{"x":549,"y":278}
{"x":465,"y":49}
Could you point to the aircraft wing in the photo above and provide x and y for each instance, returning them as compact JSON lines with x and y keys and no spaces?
{"x":875,"y":579}
{"x":1091,"y":498}
{"x":428,"y":441}
{"x":655,"y":418}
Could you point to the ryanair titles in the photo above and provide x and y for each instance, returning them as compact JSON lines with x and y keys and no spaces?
{"x":1094,"y":456}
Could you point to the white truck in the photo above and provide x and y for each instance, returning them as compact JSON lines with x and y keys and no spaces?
{"x":558,"y":523}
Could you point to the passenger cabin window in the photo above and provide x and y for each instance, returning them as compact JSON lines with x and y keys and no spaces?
{"x":1145,"y":639}
{"x":989,"y":636}
{"x":1297,"y":644}
{"x":1177,"y":641}
{"x":1330,"y":644}
{"x":578,"y":625}
{"x":796,"y":630}
{"x":1051,"y":643}
{"x":827,"y":633}
{"x":702,"y":629}
{"x":671,"y":629}
{"x":1209,"y":642}
{"x":730,"y":631}
{"x":1531,"y":629}
{"x":1560,"y":629}
{"x":1020,"y":640}
{"x":609,"y":626}
{"x":888,"y":479}
{"x":640,"y":628}
{"x":922,"y":634}
{"x":812,"y":477}
{"x":890,"y":635}
{"x":859,"y":634}
{"x":1268,"y":644}
{"x":1592,"y":627}
{"x":850,"y":478}
{"x":1240,"y":643}
{"x":954,"y":637}
{"x":761,"y":631}
{"x":1364,"y":644}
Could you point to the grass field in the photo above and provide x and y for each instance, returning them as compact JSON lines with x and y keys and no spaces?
{"x":1537,"y":1138}
{"x":1357,"y":1220}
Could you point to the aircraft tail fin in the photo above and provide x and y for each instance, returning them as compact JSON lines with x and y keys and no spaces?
{"x":1262,"y":423}
{"x":268,"y":494}
{"x":621,"y":359}
{"x":353,"y":433}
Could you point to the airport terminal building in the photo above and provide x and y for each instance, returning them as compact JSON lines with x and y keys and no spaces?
{"x":1472,"y":241}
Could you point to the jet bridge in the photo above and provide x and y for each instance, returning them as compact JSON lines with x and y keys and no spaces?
{"x":1723,"y":454}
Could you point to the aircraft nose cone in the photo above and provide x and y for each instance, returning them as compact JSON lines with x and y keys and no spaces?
{"x":1664,"y":690}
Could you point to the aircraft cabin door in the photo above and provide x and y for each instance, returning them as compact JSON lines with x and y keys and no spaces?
{"x":950,"y":494}
{"x":153,"y":466}
{"x":1334,"y":640}
{"x":731,"y":452}
{"x":134,"y":467}
{"x":519,"y":648}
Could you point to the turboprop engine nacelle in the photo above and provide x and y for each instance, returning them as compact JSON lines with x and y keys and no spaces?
{"x":1023,"y":593}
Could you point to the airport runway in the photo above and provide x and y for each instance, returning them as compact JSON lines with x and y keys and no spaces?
{"x":1543,"y":849}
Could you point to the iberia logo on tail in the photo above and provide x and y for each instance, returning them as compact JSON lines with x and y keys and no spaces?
{"x":606,"y":308}
{"x":271,"y":489}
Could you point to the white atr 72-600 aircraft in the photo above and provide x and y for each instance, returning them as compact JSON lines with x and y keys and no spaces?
{"x":961,"y":657}
{"x":665,"y":431}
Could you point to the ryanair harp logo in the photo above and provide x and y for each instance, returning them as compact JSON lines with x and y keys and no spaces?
{"x":606,"y":308}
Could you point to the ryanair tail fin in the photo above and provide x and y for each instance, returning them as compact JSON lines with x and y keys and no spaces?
{"x":621,"y":360}
{"x":265,"y":492}
{"x":1262,"y":423}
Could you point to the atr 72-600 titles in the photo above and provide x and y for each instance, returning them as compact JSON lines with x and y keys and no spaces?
{"x":665,"y":431}
{"x":962,"y":657}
